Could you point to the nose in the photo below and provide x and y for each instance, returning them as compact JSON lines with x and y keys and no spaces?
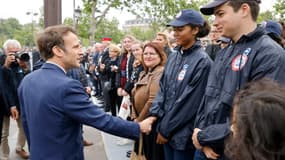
{"x":81,"y":51}
{"x":215,"y":22}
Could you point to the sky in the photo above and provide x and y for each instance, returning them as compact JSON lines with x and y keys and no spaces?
{"x":18,"y":9}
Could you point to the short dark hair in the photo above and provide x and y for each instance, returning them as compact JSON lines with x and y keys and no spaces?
{"x":259,"y":118}
{"x":254,"y":7}
{"x":50,"y":37}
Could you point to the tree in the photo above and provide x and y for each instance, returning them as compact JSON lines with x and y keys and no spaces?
{"x":96,"y":11}
{"x":280,"y":9}
{"x":106,"y":28}
{"x":68,"y":21}
{"x":159,"y":10}
{"x":265,"y":16}
{"x":145,"y":33}
{"x":9,"y":28}
{"x":165,"y":10}
{"x":109,"y":28}
{"x":25,"y":35}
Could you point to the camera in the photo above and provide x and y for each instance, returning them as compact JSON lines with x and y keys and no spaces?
{"x":23,"y":56}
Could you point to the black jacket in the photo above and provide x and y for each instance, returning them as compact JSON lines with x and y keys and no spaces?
{"x":252,"y":57}
{"x":3,"y":102}
{"x":104,"y":60}
{"x":182,"y":86}
{"x":10,"y":80}
{"x":128,"y":74}
{"x":133,"y":79}
{"x":111,"y":74}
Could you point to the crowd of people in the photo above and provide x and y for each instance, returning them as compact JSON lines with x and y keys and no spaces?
{"x":197,"y":99}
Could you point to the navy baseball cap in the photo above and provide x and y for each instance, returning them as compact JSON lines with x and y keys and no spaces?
{"x":273,"y":27}
{"x":187,"y":16}
{"x":208,"y":9}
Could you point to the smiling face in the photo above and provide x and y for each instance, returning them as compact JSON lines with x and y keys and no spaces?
{"x":227,"y":21}
{"x":127,"y":44}
{"x":150,"y":57}
{"x":185,"y":36}
{"x":73,"y":52}
{"x":137,"y":51}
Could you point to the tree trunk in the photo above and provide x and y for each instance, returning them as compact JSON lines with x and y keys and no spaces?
{"x":92,"y":25}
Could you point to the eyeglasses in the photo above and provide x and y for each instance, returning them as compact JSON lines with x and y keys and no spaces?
{"x":149,"y":53}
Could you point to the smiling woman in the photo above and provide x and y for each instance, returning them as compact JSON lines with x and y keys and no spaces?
{"x":181,"y":86}
{"x":153,"y":60}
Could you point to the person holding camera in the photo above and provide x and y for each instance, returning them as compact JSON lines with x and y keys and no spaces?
{"x":2,"y":102}
{"x":14,"y":67}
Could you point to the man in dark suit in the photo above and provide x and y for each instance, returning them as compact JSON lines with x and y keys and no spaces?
{"x":14,"y":68}
{"x":54,"y":106}
{"x":2,"y":104}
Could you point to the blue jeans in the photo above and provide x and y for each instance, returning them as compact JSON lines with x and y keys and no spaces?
{"x":173,"y":154}
{"x":201,"y":156}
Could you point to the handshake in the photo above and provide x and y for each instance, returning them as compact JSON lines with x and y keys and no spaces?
{"x":145,"y":125}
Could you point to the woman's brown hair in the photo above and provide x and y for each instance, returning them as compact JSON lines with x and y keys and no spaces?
{"x":258,"y":123}
{"x":159,"y":50}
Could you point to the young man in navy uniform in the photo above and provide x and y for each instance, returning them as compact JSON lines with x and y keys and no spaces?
{"x":252,"y":55}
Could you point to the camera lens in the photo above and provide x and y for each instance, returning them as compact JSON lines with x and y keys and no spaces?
{"x":24,"y":57}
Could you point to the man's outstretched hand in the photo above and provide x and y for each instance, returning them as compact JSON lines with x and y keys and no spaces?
{"x":145,"y":125}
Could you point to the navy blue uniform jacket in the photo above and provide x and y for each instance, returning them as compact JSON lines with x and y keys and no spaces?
{"x":252,"y":57}
{"x":182,"y":86}
{"x":53,"y":108}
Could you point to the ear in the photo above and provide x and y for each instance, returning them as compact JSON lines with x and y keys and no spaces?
{"x":195,"y":30}
{"x":57,"y":51}
{"x":245,"y":10}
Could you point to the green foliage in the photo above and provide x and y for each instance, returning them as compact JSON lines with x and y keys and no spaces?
{"x":141,"y":34}
{"x":280,"y":9}
{"x":165,"y":10}
{"x":265,"y":16}
{"x":161,"y":11}
{"x":109,"y":29}
{"x":68,"y":21}
{"x":145,"y":33}
{"x":11,"y":29}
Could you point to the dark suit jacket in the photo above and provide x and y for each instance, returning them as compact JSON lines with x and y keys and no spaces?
{"x":53,"y":108}
{"x":2,"y":102}
{"x":11,"y":79}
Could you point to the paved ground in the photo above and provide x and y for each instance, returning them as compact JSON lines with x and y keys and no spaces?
{"x":105,"y":146}
{"x":113,"y":150}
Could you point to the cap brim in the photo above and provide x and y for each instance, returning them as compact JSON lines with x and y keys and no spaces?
{"x":176,"y":23}
{"x":224,"y":40}
{"x":209,"y":8}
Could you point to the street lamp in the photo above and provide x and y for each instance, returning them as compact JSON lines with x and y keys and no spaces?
{"x":76,"y":14}
{"x":33,"y":14}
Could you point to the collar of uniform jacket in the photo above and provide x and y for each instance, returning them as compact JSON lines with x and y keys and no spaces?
{"x":259,"y":31}
{"x":197,"y":44}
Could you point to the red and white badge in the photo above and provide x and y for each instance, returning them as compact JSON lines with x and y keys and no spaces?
{"x":239,"y":62}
